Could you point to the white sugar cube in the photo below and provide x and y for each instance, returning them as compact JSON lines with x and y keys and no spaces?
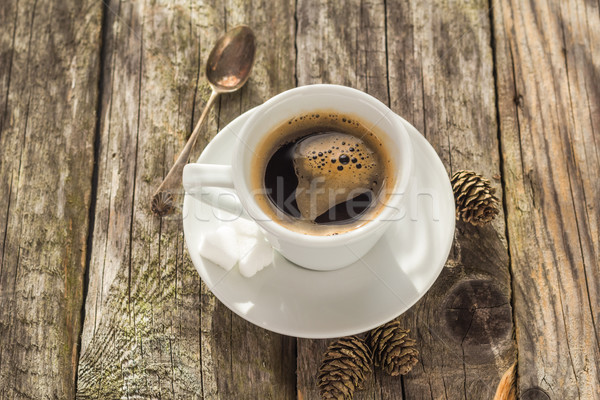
{"x":256,"y":259}
{"x":248,"y":234}
{"x":221,"y":247}
{"x":246,"y":227}
{"x":246,"y":243}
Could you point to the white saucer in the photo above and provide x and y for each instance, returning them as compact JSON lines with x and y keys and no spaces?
{"x":294,"y":301}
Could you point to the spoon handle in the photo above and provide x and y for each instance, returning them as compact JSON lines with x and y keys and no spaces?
{"x":163,"y":198}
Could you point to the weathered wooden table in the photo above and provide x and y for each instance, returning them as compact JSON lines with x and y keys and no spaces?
{"x":98,"y":298}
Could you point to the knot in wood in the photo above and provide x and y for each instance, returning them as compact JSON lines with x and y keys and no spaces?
{"x":535,"y":394}
{"x":477,"y":313}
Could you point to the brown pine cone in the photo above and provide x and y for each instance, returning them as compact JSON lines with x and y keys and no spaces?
{"x":393,"y":350}
{"x":346,"y":366}
{"x":475,"y":200}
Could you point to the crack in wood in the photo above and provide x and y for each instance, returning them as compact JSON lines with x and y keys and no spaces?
{"x":10,"y":64}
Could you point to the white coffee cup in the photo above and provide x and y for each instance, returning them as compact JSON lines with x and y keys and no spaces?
{"x":312,"y":251}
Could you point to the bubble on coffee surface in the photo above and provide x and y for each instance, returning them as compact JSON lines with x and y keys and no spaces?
{"x":332,"y":167}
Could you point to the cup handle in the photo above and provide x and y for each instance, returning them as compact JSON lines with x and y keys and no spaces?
{"x":196,"y":176}
{"x":204,"y":181}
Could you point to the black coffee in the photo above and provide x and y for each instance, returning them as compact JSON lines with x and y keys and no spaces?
{"x":322,"y":173}
{"x":347,"y":152}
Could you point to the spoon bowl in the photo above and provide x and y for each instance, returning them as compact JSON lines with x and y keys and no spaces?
{"x":230,"y":61}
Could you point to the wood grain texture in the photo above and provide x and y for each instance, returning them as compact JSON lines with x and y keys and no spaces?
{"x":341,"y":43}
{"x":152,"y":329}
{"x":549,"y":101}
{"x":143,"y":311}
{"x":441,"y":79}
{"x":464,"y":325}
{"x":49,"y":67}
{"x":251,"y":362}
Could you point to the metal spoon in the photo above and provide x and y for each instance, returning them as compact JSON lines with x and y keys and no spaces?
{"x":227,"y":69}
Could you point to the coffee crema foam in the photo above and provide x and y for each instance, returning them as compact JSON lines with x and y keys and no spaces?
{"x":342,"y":164}
{"x":321,"y":165}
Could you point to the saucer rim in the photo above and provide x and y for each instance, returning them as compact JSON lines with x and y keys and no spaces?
{"x":358,"y":328}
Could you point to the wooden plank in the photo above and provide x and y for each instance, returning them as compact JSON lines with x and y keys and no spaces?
{"x":549,"y":102}
{"x":464,"y":324}
{"x":152,"y":329}
{"x":142,"y":334}
{"x":49,"y":67}
{"x":342,"y":43}
{"x":251,"y":362}
{"x":441,"y":79}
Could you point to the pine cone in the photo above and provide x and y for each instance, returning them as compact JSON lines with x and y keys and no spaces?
{"x":346,"y":366}
{"x":475,"y":200}
{"x":393,"y":350}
